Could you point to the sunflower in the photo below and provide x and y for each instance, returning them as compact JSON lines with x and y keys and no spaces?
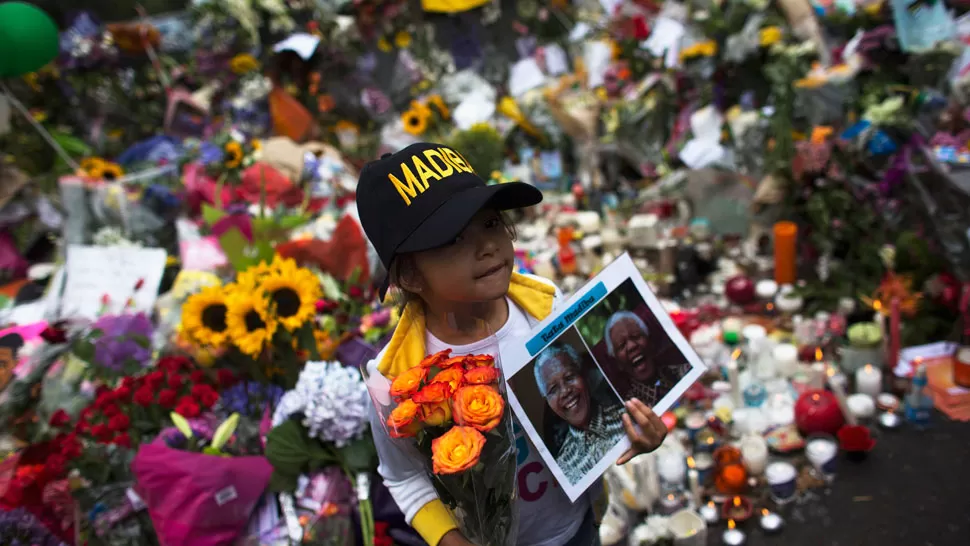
{"x":292,"y":297}
{"x":439,"y":104}
{"x":106,"y":171}
{"x":256,"y":144}
{"x":234,"y":154}
{"x":243,"y":64}
{"x":92,"y":166}
{"x":415,"y":122}
{"x":402,"y":39}
{"x":204,"y":317}
{"x":249,"y":329}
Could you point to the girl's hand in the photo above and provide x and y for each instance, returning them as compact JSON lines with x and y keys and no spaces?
{"x":651,"y":434}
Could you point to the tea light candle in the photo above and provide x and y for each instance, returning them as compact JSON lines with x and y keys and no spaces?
{"x":868,"y":380}
{"x":670,"y":503}
{"x":733,"y":536}
{"x":861,"y":406}
{"x":694,"y":422}
{"x":766,"y":289}
{"x":706,"y":440}
{"x":786,"y":359}
{"x":704,"y":463}
{"x":787,"y":301}
{"x":889,"y":420}
{"x":887,"y":402}
{"x":737,"y":509}
{"x":821,"y":452}
{"x":770,"y":522}
{"x":709,"y":513}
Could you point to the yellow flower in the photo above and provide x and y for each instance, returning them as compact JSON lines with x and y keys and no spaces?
{"x":616,"y":50}
{"x":111,"y":171}
{"x":873,"y":9}
{"x":701,"y":49}
{"x":402,"y":39}
{"x":249,"y":329}
{"x":243,"y":63}
{"x":234,"y":154}
{"x":256,"y":144}
{"x":384,"y":45}
{"x":92,"y":166}
{"x":291,"y":297}
{"x":769,"y":36}
{"x":440,"y":106}
{"x":415,"y":122}
{"x":204,"y":317}
{"x":33,"y":80}
{"x":39,"y":116}
{"x":345,"y":125}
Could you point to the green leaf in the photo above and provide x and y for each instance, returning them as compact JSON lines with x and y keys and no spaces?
{"x":211,"y":215}
{"x":281,"y":482}
{"x":307,"y":341}
{"x":234,"y":245}
{"x":359,"y":455}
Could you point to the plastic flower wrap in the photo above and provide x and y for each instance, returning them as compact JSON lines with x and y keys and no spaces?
{"x":452,"y":412}
{"x":323,"y":421}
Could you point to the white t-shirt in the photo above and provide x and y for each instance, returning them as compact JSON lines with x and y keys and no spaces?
{"x":546,"y":516}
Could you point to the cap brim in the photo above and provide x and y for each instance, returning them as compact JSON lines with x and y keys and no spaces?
{"x":445,"y":223}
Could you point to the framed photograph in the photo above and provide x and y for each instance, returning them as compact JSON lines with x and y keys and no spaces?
{"x":610,"y":342}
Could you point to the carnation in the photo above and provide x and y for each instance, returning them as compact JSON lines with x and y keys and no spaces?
{"x":333,"y":400}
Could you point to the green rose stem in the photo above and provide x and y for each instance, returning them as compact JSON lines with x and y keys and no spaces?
{"x":361,"y":483}
{"x":219,"y":184}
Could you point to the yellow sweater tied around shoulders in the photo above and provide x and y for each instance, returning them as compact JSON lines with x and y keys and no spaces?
{"x":406,"y":350}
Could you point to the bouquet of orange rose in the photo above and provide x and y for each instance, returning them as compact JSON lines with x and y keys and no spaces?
{"x":453,"y":409}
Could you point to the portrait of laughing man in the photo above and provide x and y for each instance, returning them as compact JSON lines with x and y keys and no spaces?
{"x":590,"y":415}
{"x":644,"y":377}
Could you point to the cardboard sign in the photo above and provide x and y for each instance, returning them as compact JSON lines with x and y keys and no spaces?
{"x":103,"y":280}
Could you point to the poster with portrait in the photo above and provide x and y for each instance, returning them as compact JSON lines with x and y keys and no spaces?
{"x":610,"y":342}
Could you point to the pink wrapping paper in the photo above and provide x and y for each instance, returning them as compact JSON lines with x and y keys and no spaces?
{"x":196,"y":499}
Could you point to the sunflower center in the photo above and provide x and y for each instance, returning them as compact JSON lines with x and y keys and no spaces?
{"x":108,"y":175}
{"x":414,"y":121}
{"x":254,"y":321}
{"x":287,"y":302}
{"x":214,"y":317}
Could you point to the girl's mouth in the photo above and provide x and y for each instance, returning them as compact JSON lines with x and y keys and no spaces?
{"x":491,"y":271}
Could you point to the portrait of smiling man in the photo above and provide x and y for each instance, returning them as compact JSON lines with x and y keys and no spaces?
{"x":589,"y":413}
{"x":645,"y":376}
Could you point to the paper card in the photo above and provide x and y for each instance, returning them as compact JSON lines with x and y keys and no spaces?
{"x":525,"y":76}
{"x":597,"y":57}
{"x":579,"y":31}
{"x":301,"y":43}
{"x":202,"y":254}
{"x":664,"y":40}
{"x":103,"y":279}
{"x":551,"y":164}
{"x":698,"y":153}
{"x":921,"y":29}
{"x":556,"y":61}
{"x":705,"y":124}
{"x":608,"y":343}
{"x":474,"y":108}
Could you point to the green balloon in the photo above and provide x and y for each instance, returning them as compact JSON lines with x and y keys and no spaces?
{"x":28,"y":39}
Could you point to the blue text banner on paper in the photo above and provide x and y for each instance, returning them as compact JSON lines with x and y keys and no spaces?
{"x":566,"y":319}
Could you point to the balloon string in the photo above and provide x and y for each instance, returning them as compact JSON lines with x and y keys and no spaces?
{"x":40,"y":129}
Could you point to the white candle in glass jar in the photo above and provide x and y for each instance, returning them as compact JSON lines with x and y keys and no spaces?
{"x":754,"y":454}
{"x":868,"y":380}
{"x":786,"y":359}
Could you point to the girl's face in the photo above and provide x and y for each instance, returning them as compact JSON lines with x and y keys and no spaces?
{"x":474,"y":268}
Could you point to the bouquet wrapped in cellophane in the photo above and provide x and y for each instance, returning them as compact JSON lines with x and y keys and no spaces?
{"x":453,"y":412}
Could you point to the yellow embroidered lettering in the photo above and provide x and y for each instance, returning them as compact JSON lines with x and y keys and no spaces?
{"x":423,"y":171}
{"x":410,"y":190}
{"x":443,"y":152}
{"x":457,"y":160}
{"x":431,"y":155}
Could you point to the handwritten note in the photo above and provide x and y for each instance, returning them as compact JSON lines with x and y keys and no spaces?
{"x":524,"y":76}
{"x":104,"y":279}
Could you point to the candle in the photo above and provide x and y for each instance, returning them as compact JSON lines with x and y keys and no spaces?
{"x":709,"y":513}
{"x":732,"y":371}
{"x":688,"y":529}
{"x":821,"y":452}
{"x":694,"y":422}
{"x":693,"y":478}
{"x":868,"y":380}
{"x":819,"y":370}
{"x":670,"y":503}
{"x":861,"y":406}
{"x":733,"y":536}
{"x":837,"y":384}
{"x":766,"y":289}
{"x":787,"y":301}
{"x":770,"y":522}
{"x":704,"y":463}
{"x":755,"y":395}
{"x":671,"y":467}
{"x":737,"y":509}
{"x":754,"y":454}
{"x":894,"y":334}
{"x":889,"y":420}
{"x":706,"y":440}
{"x":786,"y":359}
{"x":785,"y":235}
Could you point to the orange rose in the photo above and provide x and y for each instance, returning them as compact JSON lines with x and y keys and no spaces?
{"x":402,"y":422}
{"x":431,"y":361}
{"x":483,"y":375}
{"x":436,"y":415}
{"x":408,"y":382}
{"x":453,"y":361}
{"x":456,"y":450}
{"x":478,"y":406}
{"x":435,"y":393}
{"x":454,"y":377}
{"x":474,"y":361}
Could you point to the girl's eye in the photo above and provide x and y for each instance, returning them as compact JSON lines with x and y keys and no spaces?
{"x":492,"y":222}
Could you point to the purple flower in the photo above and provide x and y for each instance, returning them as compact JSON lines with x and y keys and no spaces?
{"x":123,"y":340}
{"x":20,"y":527}
{"x":250,"y":397}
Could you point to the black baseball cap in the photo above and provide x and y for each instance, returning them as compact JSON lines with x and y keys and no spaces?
{"x":423,"y":196}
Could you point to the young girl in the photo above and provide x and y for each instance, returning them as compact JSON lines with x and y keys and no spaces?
{"x":438,"y":230}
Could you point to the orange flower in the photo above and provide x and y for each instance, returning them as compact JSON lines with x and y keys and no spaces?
{"x":453,"y":361}
{"x":436,"y":415}
{"x":478,"y":406}
{"x":482,"y":375}
{"x":402,"y":422}
{"x":431,"y":361}
{"x":456,"y":450}
{"x":408,"y":382}
{"x":435,"y":393}
{"x":474,"y":361}
{"x":454,"y":377}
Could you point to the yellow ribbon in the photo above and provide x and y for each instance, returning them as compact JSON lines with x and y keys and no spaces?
{"x":510,"y":109}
